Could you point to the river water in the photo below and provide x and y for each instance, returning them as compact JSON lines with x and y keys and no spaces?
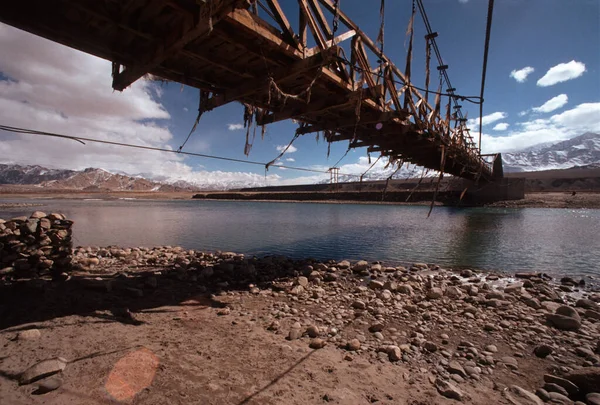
{"x":556,"y":241}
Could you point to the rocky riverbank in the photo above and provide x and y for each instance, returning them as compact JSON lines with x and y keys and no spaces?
{"x":227,"y":329}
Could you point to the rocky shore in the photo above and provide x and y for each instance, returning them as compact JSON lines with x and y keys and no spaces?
{"x":445,"y":335}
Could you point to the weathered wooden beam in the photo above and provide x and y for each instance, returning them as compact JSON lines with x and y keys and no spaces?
{"x":312,"y":24}
{"x":340,"y":38}
{"x":321,"y":18}
{"x":163,"y":51}
{"x":260,"y":84}
{"x":283,"y":22}
{"x":328,"y":4}
{"x":305,"y":111}
{"x":302,"y":23}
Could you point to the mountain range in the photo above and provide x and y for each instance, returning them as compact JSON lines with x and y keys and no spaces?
{"x":581,"y":151}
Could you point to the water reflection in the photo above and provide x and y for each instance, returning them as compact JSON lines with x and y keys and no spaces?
{"x":479,"y":237}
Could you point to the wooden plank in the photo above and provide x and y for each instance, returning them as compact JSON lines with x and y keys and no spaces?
{"x":286,"y":28}
{"x":164,"y":51}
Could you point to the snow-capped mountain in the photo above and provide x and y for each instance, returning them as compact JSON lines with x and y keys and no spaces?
{"x":88,"y":179}
{"x":583,"y":150}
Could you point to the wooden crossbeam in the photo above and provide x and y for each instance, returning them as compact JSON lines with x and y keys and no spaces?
{"x":306,"y":110}
{"x":340,"y":38}
{"x":163,"y":51}
{"x":260,"y":84}
{"x":350,"y":122}
{"x":283,"y":22}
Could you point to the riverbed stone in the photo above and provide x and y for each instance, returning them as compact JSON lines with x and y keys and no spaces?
{"x":360,"y":266}
{"x":454,"y":367}
{"x":435,"y":293}
{"x":42,"y":369}
{"x":29,"y":334}
{"x":520,"y":396}
{"x":353,"y":345}
{"x":565,"y":318}
{"x":593,"y":398}
{"x":448,"y":389}
{"x":48,"y":385}
{"x":543,"y":351}
{"x":587,"y":304}
{"x":587,"y":379}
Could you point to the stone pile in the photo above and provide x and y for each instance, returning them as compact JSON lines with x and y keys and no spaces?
{"x":34,"y":246}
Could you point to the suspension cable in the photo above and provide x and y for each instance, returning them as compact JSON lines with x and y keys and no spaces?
{"x":80,"y":139}
{"x":488,"y":30}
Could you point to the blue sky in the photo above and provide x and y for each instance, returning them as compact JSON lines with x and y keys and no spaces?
{"x":557,"y":42}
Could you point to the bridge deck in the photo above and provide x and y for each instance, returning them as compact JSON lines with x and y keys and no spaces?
{"x":224,"y":49}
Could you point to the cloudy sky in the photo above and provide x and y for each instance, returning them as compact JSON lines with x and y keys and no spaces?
{"x":543,"y":85}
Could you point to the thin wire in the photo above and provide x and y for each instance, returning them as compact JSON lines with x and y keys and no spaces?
{"x":488,"y":30}
{"x":128,"y":145}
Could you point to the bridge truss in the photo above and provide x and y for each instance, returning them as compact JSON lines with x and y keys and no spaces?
{"x":330,"y":78}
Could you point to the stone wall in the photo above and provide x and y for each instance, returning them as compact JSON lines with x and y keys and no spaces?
{"x":38,"y":245}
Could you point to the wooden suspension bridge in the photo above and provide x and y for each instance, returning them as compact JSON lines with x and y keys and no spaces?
{"x":231,"y":52}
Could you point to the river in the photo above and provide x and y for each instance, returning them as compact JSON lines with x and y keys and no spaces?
{"x":555,"y":241}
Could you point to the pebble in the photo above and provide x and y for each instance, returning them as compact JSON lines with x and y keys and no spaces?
{"x":48,"y":385}
{"x":317,"y":343}
{"x":353,"y":345}
{"x":313,"y":331}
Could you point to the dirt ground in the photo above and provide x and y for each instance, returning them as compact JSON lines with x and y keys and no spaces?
{"x":185,"y":346}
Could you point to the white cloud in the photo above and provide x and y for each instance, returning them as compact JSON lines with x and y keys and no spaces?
{"x":521,"y":74}
{"x":185,"y":109}
{"x":488,"y":119}
{"x":559,"y":127}
{"x":561,"y":73}
{"x":57,"y":89}
{"x":463,"y":1}
{"x":553,"y":104}
{"x":523,"y":113}
{"x":291,"y":149}
{"x":290,"y":160}
{"x":235,"y":127}
{"x":502,"y":126}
